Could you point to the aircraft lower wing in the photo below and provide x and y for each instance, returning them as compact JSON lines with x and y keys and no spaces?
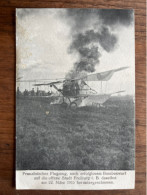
{"x":51,"y":83}
{"x":97,"y":98}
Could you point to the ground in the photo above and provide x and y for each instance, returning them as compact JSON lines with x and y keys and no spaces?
{"x":50,"y":137}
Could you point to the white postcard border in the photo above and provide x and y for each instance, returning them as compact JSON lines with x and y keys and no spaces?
{"x":75,"y":180}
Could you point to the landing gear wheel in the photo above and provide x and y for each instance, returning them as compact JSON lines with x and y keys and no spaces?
{"x":73,"y":105}
{"x":64,"y":105}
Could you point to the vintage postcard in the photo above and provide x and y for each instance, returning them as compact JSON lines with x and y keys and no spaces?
{"x":75,"y":99}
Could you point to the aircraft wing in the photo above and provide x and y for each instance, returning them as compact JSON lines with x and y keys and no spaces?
{"x":118,"y":92}
{"x":51,"y":83}
{"x":102,"y":76}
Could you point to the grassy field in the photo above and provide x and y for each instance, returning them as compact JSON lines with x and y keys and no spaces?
{"x":50,"y":137}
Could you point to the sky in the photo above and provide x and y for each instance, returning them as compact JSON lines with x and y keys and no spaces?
{"x":56,"y":43}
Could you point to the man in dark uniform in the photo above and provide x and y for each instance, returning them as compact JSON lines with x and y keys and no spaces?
{"x":73,"y":88}
{"x":33,"y":92}
{"x":26,"y":93}
{"x":37,"y":93}
{"x":66,"y":88}
{"x":18,"y":92}
{"x":77,"y":88}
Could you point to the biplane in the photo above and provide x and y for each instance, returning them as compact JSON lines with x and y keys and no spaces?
{"x":76,"y":92}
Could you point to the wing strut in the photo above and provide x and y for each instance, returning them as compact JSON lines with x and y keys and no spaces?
{"x":57,"y":88}
{"x":89,"y":87}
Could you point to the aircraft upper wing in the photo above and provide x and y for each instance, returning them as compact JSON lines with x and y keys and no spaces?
{"x":102,"y":76}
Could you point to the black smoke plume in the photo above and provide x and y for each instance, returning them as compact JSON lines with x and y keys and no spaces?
{"x":92,"y":29}
{"x":84,"y":44}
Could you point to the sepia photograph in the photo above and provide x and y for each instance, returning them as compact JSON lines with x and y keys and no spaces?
{"x":75,"y":89}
